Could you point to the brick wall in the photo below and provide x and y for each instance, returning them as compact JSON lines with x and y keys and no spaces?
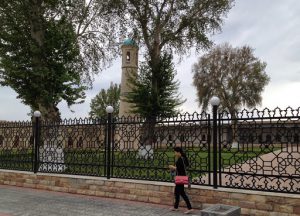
{"x":251,"y":202}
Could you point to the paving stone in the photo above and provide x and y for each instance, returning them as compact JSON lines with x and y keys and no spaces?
{"x":15,"y":201}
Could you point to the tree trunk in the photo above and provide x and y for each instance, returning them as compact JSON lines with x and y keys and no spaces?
{"x":49,"y":113}
{"x":149,"y":125}
{"x":234,"y":143}
{"x":154,"y":49}
{"x":37,"y":30}
{"x":148,"y":131}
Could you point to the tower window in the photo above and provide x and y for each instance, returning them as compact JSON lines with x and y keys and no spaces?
{"x":128,"y":56}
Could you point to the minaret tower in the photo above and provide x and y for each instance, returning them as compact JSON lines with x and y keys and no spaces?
{"x":129,"y":69}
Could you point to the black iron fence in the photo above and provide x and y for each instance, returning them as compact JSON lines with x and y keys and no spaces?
{"x":264,"y":146}
{"x":74,"y":146}
{"x":131,"y":158}
{"x":257,"y":150}
{"x":16,"y":146}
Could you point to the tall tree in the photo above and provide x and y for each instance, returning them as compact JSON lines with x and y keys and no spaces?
{"x":235,"y":75}
{"x":104,"y":98}
{"x":149,"y":102}
{"x":48,"y":49}
{"x":170,"y":25}
{"x":96,"y":29}
{"x":142,"y":96}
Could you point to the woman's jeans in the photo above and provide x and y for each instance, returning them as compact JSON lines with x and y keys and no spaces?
{"x":179,"y":191}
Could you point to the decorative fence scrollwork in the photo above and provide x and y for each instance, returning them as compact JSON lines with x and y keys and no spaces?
{"x":260,"y":150}
{"x":133,"y":159}
{"x":73,"y":147}
{"x":255,"y":150}
{"x":16,"y":145}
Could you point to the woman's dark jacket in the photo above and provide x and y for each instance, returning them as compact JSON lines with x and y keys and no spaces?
{"x":181,"y":166}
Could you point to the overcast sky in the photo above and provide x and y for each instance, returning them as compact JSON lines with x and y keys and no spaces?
{"x":271,"y":27}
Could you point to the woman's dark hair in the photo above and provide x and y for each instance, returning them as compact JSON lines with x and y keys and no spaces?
{"x":180,"y":150}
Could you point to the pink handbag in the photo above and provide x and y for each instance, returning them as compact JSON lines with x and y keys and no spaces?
{"x":182,"y":180}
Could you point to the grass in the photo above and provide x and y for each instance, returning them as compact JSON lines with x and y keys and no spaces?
{"x":127,"y":165}
{"x":16,"y":159}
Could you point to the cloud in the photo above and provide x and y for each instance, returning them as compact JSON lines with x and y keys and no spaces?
{"x":270,"y":27}
{"x":281,"y":95}
{"x":11,"y":107}
{"x":102,"y":81}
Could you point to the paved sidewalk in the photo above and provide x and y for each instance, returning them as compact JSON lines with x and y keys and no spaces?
{"x":282,"y":163}
{"x":16,"y":201}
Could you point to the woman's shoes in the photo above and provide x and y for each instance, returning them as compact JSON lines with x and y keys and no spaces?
{"x":188,"y":211}
{"x":174,"y":209}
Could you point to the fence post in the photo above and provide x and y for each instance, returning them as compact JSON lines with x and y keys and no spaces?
{"x":215,"y":101}
{"x":37,"y":115}
{"x":109,"y":110}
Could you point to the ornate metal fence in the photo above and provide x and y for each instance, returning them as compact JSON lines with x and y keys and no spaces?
{"x":16,"y":145}
{"x":132,"y":158}
{"x":73,"y":146}
{"x":255,"y":150}
{"x":259,"y":150}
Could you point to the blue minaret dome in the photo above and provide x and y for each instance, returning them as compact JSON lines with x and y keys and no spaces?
{"x":129,"y":42}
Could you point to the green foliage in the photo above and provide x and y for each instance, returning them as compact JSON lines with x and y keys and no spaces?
{"x":235,"y":75}
{"x":172,"y":26}
{"x":161,"y":101}
{"x":38,"y":56}
{"x":179,"y":25}
{"x":104,"y":98}
{"x":49,"y":48}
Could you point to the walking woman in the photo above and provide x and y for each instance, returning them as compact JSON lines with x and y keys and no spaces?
{"x":180,"y":168}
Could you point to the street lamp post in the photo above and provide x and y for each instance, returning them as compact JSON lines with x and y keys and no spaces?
{"x":109,"y":110}
{"x":215,"y":102}
{"x":37,"y":115}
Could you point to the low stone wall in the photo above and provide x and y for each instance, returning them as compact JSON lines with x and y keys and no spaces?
{"x":251,"y":202}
